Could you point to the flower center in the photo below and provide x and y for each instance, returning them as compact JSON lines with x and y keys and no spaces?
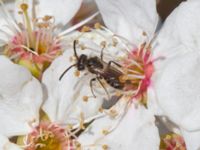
{"x":49,"y":136}
{"x":138,"y":69}
{"x":35,"y":46}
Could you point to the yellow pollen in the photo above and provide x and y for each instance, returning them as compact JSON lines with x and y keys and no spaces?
{"x":85,"y":29}
{"x":144,"y":33}
{"x":77,"y":73}
{"x":105,"y":132}
{"x":97,"y":26}
{"x":47,"y":18}
{"x":105,"y":147}
{"x":113,"y":113}
{"x":42,"y":25}
{"x":48,"y":141}
{"x":101,"y":110}
{"x":24,"y":7}
{"x":85,"y":98}
{"x":78,"y":146}
{"x":123,"y":78}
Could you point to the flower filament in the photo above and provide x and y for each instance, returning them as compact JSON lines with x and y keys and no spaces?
{"x":35,"y":46}
{"x":49,"y":136}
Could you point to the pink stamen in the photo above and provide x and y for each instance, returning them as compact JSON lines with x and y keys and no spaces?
{"x":139,"y":64}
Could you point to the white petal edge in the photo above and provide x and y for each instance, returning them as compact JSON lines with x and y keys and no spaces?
{"x":130,"y":18}
{"x":20,"y":108}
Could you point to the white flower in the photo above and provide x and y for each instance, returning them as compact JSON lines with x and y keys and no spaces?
{"x":20,"y":100}
{"x":175,"y":83}
{"x":35,"y":37}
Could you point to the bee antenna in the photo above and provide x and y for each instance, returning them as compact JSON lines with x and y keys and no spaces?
{"x":75,"y":52}
{"x":60,"y":78}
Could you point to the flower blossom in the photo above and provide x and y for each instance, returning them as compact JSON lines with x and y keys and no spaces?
{"x":36,"y":38}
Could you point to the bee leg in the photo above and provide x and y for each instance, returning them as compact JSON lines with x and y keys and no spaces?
{"x":99,"y":80}
{"x":91,"y":86}
{"x":113,"y":62}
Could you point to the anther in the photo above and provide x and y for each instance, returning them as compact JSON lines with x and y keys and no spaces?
{"x":85,"y":29}
{"x":103,"y":44}
{"x":115,"y":42}
{"x":105,"y":147}
{"x":144,"y":33}
{"x":97,"y":26}
{"x":77,"y":73}
{"x":47,"y":18}
{"x":113,"y":113}
{"x":105,"y":132}
{"x":78,"y":145}
{"x":24,"y":7}
{"x":101,"y":110}
{"x":123,"y":78}
{"x":85,"y":98}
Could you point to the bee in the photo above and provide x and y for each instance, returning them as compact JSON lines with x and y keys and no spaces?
{"x":109,"y":72}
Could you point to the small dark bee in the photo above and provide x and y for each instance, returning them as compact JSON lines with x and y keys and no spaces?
{"x":100,"y":68}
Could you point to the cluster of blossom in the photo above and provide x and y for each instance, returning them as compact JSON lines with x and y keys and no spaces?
{"x":131,"y":83}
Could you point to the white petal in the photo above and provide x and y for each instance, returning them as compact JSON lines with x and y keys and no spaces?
{"x":177,"y":90}
{"x":20,"y":99}
{"x":136,"y":131}
{"x":6,"y":145}
{"x":4,"y":36}
{"x":152,"y":102}
{"x":130,"y":18}
{"x":12,"y":77}
{"x":65,"y":98}
{"x":62,"y":10}
{"x":192,"y":139}
{"x":180,"y":28}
